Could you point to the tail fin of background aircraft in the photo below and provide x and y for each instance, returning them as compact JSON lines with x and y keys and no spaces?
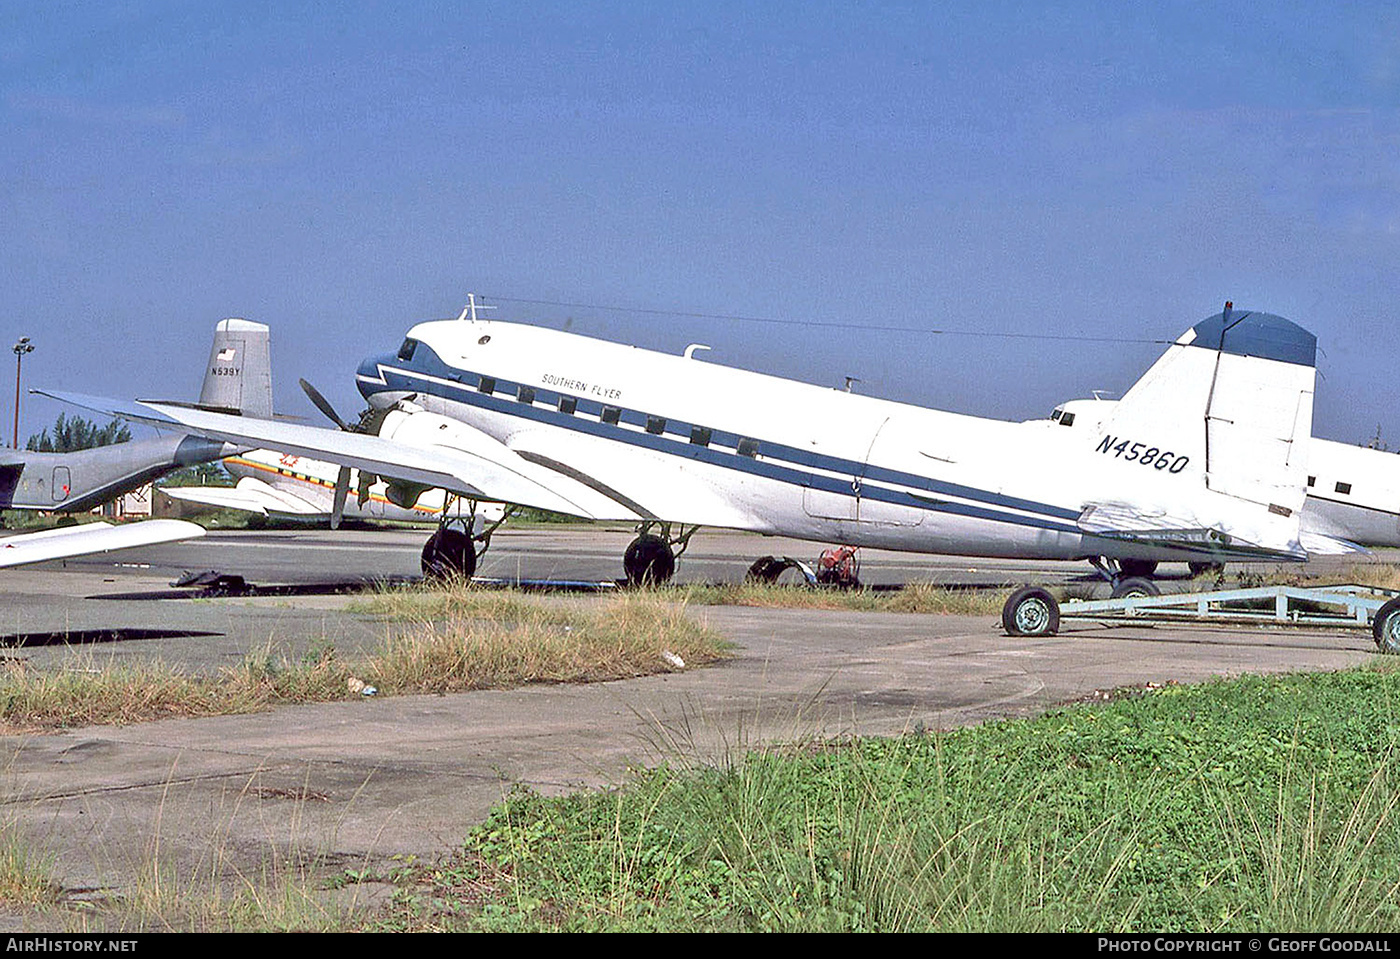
{"x":239,"y":375}
{"x":1229,"y":402}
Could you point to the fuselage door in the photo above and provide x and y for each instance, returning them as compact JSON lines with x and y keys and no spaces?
{"x":62,"y":483}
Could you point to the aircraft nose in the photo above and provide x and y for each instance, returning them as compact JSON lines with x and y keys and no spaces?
{"x":368,"y":378}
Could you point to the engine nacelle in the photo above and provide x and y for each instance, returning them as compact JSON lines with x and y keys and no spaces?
{"x":415,"y":426}
{"x":404,"y":495}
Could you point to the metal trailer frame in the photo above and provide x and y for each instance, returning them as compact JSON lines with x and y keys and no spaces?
{"x":1033,"y":611}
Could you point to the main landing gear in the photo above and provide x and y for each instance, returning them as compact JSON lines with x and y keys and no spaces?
{"x":453,"y":550}
{"x":650,"y":559}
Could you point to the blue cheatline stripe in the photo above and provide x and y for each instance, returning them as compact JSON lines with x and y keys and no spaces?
{"x":396,"y":380}
{"x":461,"y":386}
{"x":409,"y":381}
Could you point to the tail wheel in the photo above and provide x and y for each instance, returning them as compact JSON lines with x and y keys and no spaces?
{"x":1031,"y":611}
{"x":1137,"y":567}
{"x":449,"y":554}
{"x":648,"y":561}
{"x":1134,"y":587}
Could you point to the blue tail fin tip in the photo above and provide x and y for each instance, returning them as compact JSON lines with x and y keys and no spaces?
{"x":1250,"y":333}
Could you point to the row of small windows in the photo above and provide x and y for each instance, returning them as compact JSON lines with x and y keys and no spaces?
{"x":1344,"y":488}
{"x":612,"y":415}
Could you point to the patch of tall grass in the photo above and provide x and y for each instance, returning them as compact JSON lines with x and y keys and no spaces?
{"x":485,"y":640}
{"x":1255,"y":803}
{"x":26,"y":878}
{"x":912,"y":598}
{"x":435,"y":601}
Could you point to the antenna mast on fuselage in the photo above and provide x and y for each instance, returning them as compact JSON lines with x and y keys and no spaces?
{"x":469,"y":311}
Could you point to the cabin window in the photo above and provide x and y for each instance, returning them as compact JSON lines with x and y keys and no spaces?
{"x":656,"y":425}
{"x":748,"y":448}
{"x":406,"y":351}
{"x":1312,"y":481}
{"x":487,"y":384}
{"x":700,"y":435}
{"x":526,"y":394}
{"x":1343,"y":487}
{"x":568,"y":404}
{"x":1067,"y":419}
{"x":611,"y":414}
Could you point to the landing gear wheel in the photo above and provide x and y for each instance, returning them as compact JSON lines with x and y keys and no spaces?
{"x":1386,"y":628}
{"x":1136,"y":568}
{"x":648,"y":561}
{"x":1201,"y":569}
{"x":449,"y":554}
{"x":1133,"y":587}
{"x":1031,"y":611}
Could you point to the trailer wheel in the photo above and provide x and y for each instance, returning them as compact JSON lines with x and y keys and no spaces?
{"x":1386,"y":628}
{"x":1031,"y":611}
{"x":1133,"y":587}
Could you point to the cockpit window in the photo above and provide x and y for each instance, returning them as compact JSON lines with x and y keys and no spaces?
{"x":1056,"y":415}
{"x":406,"y":351}
{"x":1067,"y":419}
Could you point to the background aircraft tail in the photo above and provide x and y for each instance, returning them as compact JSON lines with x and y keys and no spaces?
{"x":239,"y":375}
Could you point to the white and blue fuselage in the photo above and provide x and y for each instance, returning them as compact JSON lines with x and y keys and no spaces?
{"x":641,"y":435}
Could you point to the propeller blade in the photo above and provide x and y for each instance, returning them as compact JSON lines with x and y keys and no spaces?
{"x":342,"y":487}
{"x":323,"y":404}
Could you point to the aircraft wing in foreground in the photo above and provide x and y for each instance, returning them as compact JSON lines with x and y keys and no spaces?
{"x":1203,"y":460}
{"x":69,"y":541}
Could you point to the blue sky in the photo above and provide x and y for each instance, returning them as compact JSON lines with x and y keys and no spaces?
{"x":339,"y":171}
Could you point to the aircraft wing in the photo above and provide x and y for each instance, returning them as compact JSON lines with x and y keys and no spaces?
{"x":489,"y":470}
{"x":659,"y":487}
{"x":249,"y":496}
{"x":81,"y":540}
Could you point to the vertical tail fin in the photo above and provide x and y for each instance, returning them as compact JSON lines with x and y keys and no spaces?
{"x":239,"y":374}
{"x":1226,"y":410}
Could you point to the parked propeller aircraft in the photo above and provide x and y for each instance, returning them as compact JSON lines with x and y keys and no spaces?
{"x":291,"y":487}
{"x":1353,"y":492}
{"x":238,"y":378}
{"x":1203,"y":460}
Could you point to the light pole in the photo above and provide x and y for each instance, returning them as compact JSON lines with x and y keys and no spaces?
{"x":21,"y":348}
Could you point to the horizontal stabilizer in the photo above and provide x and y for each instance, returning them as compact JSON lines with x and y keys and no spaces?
{"x":1318,"y":544}
{"x":1122,"y":522}
{"x":250,"y":495}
